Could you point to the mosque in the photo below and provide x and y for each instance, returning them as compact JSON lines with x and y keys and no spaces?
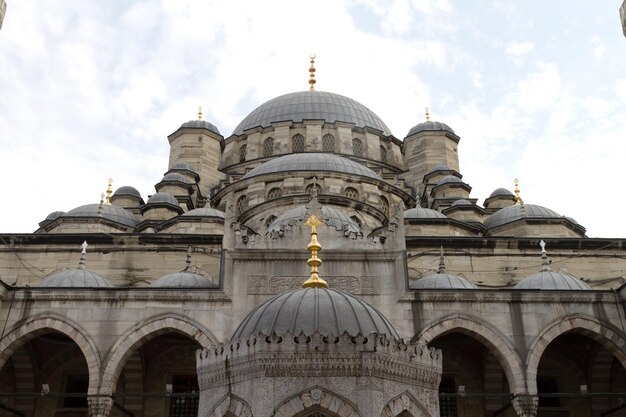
{"x":312,"y":264}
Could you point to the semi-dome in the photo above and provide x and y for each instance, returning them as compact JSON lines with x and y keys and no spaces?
{"x":441,"y":281}
{"x":422,"y":213}
{"x":513,"y":213}
{"x":310,"y":310}
{"x":318,"y":162}
{"x":201,"y":124}
{"x":184,"y":279}
{"x":204,"y":212}
{"x":107,"y":211}
{"x":77,"y":278}
{"x":127,"y":190}
{"x":182,"y":166}
{"x":462,"y":202}
{"x":311,"y":105}
{"x":54,"y":215}
{"x":429,"y":125}
{"x":175,"y":176}
{"x":334,"y":218}
{"x":550,"y":280}
{"x":162,"y":198}
{"x":501,"y":192}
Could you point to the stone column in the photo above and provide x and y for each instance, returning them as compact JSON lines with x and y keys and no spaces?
{"x":525,"y":405}
{"x":100,"y":406}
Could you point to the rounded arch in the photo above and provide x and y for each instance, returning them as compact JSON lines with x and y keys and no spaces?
{"x":611,"y":339}
{"x":37,"y":325}
{"x":487,"y":335}
{"x":144,"y":331}
{"x":231,"y":406}
{"x":404,"y":403}
{"x":316,"y":398}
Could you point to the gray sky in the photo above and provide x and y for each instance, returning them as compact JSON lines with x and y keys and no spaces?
{"x":536,"y":89}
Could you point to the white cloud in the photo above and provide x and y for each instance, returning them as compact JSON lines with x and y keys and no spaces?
{"x":597,"y":47}
{"x":518,"y":49}
{"x":540,"y":89}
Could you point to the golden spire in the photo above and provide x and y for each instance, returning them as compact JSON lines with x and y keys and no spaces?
{"x":314,"y":262}
{"x":427,"y":114}
{"x":518,"y":199}
{"x":109,"y":191}
{"x":312,"y":73}
{"x":200,"y":113}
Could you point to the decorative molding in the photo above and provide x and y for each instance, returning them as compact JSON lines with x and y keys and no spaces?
{"x":262,"y":284}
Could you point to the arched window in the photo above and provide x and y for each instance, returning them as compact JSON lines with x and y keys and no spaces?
{"x":270,"y":220}
{"x":242,"y":153}
{"x":268,"y":147}
{"x":274,"y":193}
{"x":384,"y":205}
{"x":241,"y":205}
{"x":383,"y":154}
{"x":328,"y":143}
{"x":351,"y":193}
{"x":357,"y":147}
{"x":311,"y":187}
{"x":297,"y":144}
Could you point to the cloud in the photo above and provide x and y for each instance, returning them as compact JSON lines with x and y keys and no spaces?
{"x":540,"y":89}
{"x":516,"y":50}
{"x":597,"y":48}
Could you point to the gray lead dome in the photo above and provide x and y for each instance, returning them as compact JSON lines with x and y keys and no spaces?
{"x":311,"y":310}
{"x":312,"y":105}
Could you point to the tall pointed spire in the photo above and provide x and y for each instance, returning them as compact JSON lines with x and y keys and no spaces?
{"x":312,"y":73}
{"x":442,"y":263}
{"x":314,"y":262}
{"x":109,"y":191}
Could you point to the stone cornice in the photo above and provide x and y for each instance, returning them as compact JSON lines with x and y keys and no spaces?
{"x":509,"y":296}
{"x":169,"y":295}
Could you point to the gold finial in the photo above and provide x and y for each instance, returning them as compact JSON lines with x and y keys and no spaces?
{"x":109,"y":191}
{"x":427,"y":114}
{"x":200,"y":113}
{"x":518,"y":199}
{"x":312,"y":73}
{"x":314,"y":262}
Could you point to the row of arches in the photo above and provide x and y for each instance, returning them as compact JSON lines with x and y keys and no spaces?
{"x":298,"y":145}
{"x":572,"y":354}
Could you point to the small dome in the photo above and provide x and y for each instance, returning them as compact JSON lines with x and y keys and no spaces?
{"x":184,"y":279}
{"x":501,"y":192}
{"x":462,"y":202}
{"x":513,"y":213}
{"x":441,"y":281}
{"x":109,"y":212}
{"x":163,"y":198}
{"x":311,"y":310}
{"x":449,"y":179}
{"x":182,"y":166}
{"x":429,"y":126}
{"x":311,"y":105}
{"x":423,"y":213}
{"x":440,"y":168}
{"x":201,"y":124}
{"x":549,"y":280}
{"x":175,"y":176}
{"x":204,"y":212}
{"x":76,"y":278}
{"x":54,"y":215}
{"x":127,"y":190}
{"x":312,"y":162}
{"x":334,"y":218}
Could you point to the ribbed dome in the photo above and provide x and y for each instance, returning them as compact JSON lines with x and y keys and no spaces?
{"x":162,"y":198}
{"x":175,"y":176}
{"x":549,"y":280}
{"x":334,"y":218}
{"x":513,"y":213}
{"x":184,"y":279}
{"x":127,"y":190}
{"x":201,"y":124}
{"x":183,"y":166}
{"x":425,"y":126}
{"x":501,"y":192}
{"x":110,"y":212}
{"x":441,"y":281}
{"x":204,"y":212}
{"x":310,"y":310}
{"x":312,"y":162}
{"x":54,"y":215}
{"x":312,"y":105}
{"x":423,"y":213}
{"x":74,"y":278}
{"x":462,"y":202}
{"x":449,"y":179}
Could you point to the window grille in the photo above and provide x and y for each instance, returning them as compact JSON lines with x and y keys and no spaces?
{"x":357,"y":147}
{"x":242,"y":153}
{"x":268,"y":147}
{"x":274,"y":193}
{"x":297,"y":144}
{"x":351,"y":193}
{"x":328,"y":143}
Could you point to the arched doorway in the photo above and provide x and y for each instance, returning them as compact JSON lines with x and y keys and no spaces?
{"x":47,"y":375}
{"x":473,"y":381}
{"x":576,"y":376}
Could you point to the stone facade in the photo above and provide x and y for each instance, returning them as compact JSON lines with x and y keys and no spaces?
{"x":236,"y":207}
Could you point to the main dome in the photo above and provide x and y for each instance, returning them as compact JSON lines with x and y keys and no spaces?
{"x":310,"y":310}
{"x":311,"y":105}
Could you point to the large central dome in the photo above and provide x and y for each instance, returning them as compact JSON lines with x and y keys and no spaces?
{"x":312,"y":105}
